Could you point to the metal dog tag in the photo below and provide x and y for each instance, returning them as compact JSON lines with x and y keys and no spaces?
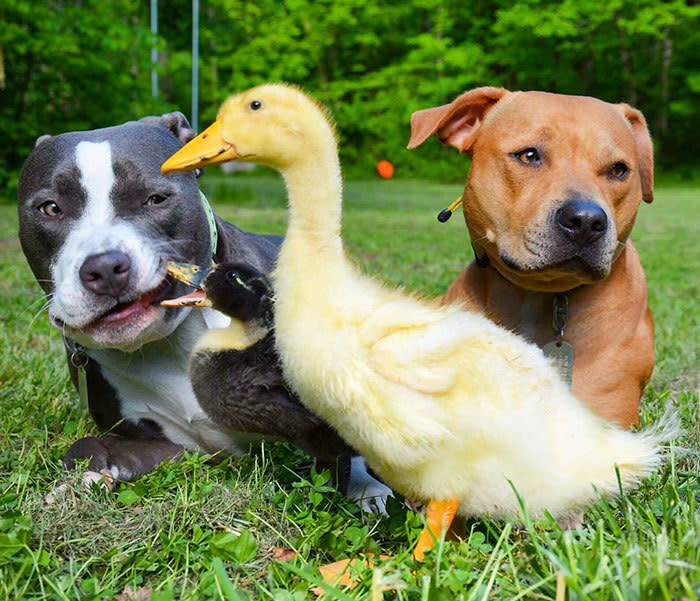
{"x":563,"y":354}
{"x":82,"y":388}
{"x":79,"y":360}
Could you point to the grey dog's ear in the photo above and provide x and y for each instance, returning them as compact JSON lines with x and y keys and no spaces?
{"x":176,"y":123}
{"x":456,"y":123}
{"x":41,"y":139}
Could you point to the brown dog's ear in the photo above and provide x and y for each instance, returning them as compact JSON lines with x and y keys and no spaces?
{"x":645,"y":149}
{"x":456,"y":123}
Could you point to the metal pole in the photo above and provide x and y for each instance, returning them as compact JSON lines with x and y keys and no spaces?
{"x":195,"y":64}
{"x":154,"y":49}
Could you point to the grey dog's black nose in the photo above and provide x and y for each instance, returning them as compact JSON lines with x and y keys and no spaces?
{"x":581,"y":221}
{"x":106,"y":273}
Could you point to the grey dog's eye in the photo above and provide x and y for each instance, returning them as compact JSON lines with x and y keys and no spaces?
{"x":50,"y":209}
{"x":156,"y":199}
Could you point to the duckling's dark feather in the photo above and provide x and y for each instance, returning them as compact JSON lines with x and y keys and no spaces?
{"x":244,"y":391}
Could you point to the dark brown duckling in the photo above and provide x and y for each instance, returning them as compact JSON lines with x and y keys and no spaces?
{"x":235,"y":371}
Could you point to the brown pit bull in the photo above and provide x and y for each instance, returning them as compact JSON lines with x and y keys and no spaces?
{"x":551,"y":196}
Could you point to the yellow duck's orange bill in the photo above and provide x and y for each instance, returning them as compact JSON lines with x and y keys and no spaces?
{"x":208,"y":148}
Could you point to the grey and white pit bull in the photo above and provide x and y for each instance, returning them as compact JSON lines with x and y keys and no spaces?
{"x":97,"y":223}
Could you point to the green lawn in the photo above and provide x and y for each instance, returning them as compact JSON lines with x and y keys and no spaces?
{"x":211,"y":529}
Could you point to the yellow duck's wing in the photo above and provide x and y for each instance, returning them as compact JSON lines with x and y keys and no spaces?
{"x":414,"y":344}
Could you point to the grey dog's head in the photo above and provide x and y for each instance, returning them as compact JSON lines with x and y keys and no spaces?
{"x":98,"y":222}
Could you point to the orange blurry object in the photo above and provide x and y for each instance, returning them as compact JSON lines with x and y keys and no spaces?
{"x":385,"y":169}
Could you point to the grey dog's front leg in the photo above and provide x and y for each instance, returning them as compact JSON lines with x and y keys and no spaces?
{"x":123,"y":458}
{"x":130,"y":449}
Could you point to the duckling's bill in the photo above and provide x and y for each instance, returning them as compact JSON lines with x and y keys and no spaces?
{"x":208,"y":148}
{"x":194,"y":299}
{"x":192,"y":275}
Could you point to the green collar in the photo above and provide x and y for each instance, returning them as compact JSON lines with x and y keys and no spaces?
{"x":213,"y":232}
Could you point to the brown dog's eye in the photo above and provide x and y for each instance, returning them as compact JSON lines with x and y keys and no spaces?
{"x":529,"y":156}
{"x":619,"y":170}
{"x":50,"y":209}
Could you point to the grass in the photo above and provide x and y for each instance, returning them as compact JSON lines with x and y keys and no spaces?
{"x":211,"y":529}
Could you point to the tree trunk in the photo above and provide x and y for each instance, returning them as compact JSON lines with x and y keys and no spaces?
{"x":2,"y":70}
{"x":666,"y":55}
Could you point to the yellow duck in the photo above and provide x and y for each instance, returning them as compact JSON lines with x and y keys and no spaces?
{"x":447,"y":407}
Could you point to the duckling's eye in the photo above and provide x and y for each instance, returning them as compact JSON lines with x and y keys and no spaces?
{"x":233,"y":276}
{"x":155,"y":199}
{"x":255,"y":105}
{"x":51,"y":209}
{"x":528,"y":156}
{"x":618,"y":171}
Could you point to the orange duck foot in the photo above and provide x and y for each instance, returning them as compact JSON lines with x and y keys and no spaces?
{"x":438,"y":517}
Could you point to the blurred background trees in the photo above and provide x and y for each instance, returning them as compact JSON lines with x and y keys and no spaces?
{"x":79,"y":65}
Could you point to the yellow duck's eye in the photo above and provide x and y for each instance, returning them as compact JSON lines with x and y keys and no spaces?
{"x":255,"y":105}
{"x":50,"y":209}
{"x":619,"y":170}
{"x":528,"y":156}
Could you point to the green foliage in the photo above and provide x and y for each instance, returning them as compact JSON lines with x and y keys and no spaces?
{"x":73,"y":65}
{"x":235,"y":547}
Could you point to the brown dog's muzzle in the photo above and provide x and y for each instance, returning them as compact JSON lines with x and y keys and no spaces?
{"x":575,"y":243}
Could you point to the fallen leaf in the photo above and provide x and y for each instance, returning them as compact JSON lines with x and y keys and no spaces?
{"x":283,"y":553}
{"x":129,"y":594}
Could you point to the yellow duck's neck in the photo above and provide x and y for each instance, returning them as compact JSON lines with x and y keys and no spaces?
{"x":315,"y":191}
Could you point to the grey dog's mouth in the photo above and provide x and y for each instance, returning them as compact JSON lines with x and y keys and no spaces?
{"x":125,"y":310}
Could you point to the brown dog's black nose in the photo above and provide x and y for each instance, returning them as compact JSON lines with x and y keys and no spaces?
{"x":581,"y":221}
{"x":106,"y":273}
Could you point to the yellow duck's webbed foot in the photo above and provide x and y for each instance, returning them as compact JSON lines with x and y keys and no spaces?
{"x":438,"y":516}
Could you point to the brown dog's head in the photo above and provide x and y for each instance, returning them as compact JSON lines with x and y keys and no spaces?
{"x":555,"y":180}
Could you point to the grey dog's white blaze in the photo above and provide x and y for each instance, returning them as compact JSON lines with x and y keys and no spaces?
{"x":98,"y":230}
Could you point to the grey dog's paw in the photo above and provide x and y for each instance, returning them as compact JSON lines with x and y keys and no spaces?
{"x":91,"y":448}
{"x":370,"y":493}
{"x":104,"y":479}
{"x":99,"y":470}
{"x":113,"y":458}
{"x":123,"y":458}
